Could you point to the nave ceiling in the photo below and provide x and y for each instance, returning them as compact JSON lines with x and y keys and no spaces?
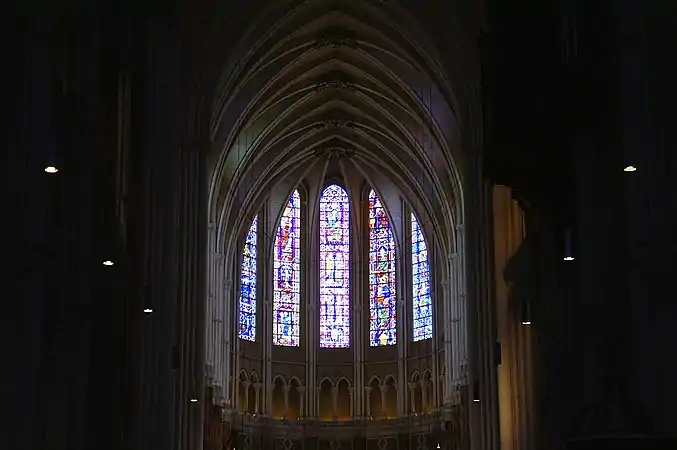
{"x":334,"y":90}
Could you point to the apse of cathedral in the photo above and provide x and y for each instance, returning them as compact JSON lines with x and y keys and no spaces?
{"x":341,"y":225}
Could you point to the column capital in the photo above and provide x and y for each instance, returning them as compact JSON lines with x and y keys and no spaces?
{"x":286,"y":388}
{"x":227,"y":284}
{"x":258,"y":385}
{"x":412,"y":385}
{"x":301,"y":389}
{"x":368,"y":389}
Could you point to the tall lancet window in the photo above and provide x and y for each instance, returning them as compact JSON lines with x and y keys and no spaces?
{"x":287,"y":268}
{"x":382,"y":299}
{"x":420,"y":269}
{"x":334,"y":267}
{"x":248,"y":285}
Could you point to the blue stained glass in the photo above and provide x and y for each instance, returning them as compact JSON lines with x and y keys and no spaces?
{"x":334,"y":268}
{"x":382,"y":299}
{"x":422,"y":301}
{"x":286,"y":283}
{"x":248,"y":286}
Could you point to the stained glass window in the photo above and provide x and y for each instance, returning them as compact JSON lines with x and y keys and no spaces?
{"x":382,"y":299}
{"x":334,"y":267}
{"x":286,"y":277}
{"x":420,"y":268}
{"x":248,"y":286}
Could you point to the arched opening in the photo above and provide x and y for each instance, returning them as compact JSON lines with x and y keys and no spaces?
{"x":294,"y":399}
{"x":415,"y":386}
{"x":326,"y":403}
{"x":278,"y":398}
{"x":343,"y":401}
{"x":390,"y":397}
{"x":242,"y":389}
{"x":375,"y":402}
{"x":252,"y":396}
{"x":427,"y":393}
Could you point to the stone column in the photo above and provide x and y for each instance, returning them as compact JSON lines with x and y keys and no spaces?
{"x":286,"y":389}
{"x":302,"y":397}
{"x":412,"y":395}
{"x":245,"y":386}
{"x":384,"y":391}
{"x":352,"y":401}
{"x":257,"y":396}
{"x":367,"y":398}
{"x":450,"y":312}
{"x":424,"y":394}
{"x":225,"y":376}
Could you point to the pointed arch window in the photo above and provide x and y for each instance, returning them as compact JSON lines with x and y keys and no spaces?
{"x":334,"y":268}
{"x":286,"y":276}
{"x":420,"y":269}
{"x":247,"y":306}
{"x":382,"y":298}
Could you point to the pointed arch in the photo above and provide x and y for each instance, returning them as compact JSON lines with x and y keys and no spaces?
{"x":286,"y":275}
{"x":247,"y":306}
{"x":334,"y":267}
{"x":422,"y":305}
{"x":382,"y":298}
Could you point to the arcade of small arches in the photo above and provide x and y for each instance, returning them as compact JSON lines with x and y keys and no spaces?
{"x":335,"y":398}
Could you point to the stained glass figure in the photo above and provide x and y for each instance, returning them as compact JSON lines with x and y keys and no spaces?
{"x":248,"y":286}
{"x":334,"y":268}
{"x":382,"y":299}
{"x":420,"y":268}
{"x":286,"y":276}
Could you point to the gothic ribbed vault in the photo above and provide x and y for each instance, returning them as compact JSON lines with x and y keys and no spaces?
{"x":328,"y":80}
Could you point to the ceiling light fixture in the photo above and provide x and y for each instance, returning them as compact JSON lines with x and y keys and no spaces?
{"x":51,"y":169}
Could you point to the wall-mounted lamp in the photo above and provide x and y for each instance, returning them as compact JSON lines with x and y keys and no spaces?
{"x":108,"y":262}
{"x":476,"y":392}
{"x":630,"y":168}
{"x":193,"y":400}
{"x":148,"y":310}
{"x":525,"y":311}
{"x":568,"y":255}
{"x":51,"y":169}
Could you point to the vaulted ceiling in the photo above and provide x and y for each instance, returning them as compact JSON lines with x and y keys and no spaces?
{"x":322,"y":82}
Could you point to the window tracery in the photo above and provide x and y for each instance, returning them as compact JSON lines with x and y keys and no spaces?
{"x":287,"y":268}
{"x":247,"y":306}
{"x":382,"y":299}
{"x":334,"y":272}
{"x":334,"y":268}
{"x":420,"y":270}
